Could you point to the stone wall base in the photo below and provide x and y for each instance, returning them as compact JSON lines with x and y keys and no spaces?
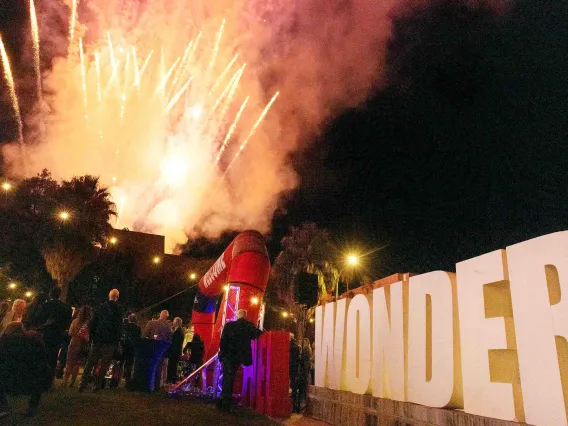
{"x":343,"y":408}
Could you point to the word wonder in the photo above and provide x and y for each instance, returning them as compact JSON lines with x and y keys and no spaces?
{"x":490,"y":339}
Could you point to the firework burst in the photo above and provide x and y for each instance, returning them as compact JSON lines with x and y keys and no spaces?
{"x":154,"y":120}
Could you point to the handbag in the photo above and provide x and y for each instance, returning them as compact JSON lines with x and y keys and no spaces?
{"x":83,"y":333}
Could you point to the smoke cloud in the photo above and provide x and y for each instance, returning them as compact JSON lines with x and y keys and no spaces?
{"x":107,"y":114}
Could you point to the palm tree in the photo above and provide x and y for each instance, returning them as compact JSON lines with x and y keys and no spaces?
{"x":81,"y":222}
{"x":306,"y":248}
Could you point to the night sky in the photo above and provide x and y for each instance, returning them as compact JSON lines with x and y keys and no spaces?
{"x":464,"y":150}
{"x":463,"y":153}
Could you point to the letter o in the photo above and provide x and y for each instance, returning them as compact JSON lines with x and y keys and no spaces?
{"x":358,"y":345}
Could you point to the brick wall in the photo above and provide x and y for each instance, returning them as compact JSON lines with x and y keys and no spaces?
{"x":342,"y":408}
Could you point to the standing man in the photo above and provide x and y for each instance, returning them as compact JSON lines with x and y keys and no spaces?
{"x":54,"y":318}
{"x":159,"y":329}
{"x":235,"y":350}
{"x":105,"y":332}
{"x":132,"y":334}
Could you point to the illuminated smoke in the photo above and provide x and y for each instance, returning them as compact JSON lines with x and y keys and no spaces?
{"x":161,"y":100}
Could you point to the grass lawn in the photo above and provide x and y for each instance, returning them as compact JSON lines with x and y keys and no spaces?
{"x":67,"y":407}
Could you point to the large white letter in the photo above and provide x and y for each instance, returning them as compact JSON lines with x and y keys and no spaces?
{"x":388,"y":343}
{"x":430,"y":340}
{"x":358,"y":345}
{"x":538,"y":270}
{"x":481,"y":336}
{"x":329,"y":344}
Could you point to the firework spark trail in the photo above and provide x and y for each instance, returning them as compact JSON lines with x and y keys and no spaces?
{"x":182,"y":68}
{"x":83,"y":72}
{"x":98,"y":72}
{"x":72,"y":22}
{"x":135,"y":62}
{"x":223,"y":74}
{"x":231,"y":131}
{"x":229,"y":99}
{"x":13,"y":97}
{"x":217,"y":44}
{"x":253,"y":130}
{"x":176,"y":97}
{"x":35,"y":39}
{"x":161,"y":88}
{"x":232,"y":83}
{"x":144,"y":66}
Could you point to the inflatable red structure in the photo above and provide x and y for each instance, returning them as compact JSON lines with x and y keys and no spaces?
{"x":239,"y":278}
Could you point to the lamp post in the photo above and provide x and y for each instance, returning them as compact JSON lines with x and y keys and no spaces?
{"x":6,"y":187}
{"x":352,"y":262}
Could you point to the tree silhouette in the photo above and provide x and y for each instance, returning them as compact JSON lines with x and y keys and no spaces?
{"x":306,"y":248}
{"x":35,"y":237}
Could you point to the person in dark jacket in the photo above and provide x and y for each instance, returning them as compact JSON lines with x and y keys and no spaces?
{"x":31,"y":320}
{"x":294,"y":365}
{"x":235,"y":350}
{"x":105,"y":332}
{"x":197,"y":349}
{"x":24,"y":367}
{"x":174,"y":352}
{"x":132,"y":334}
{"x":53,"y":318}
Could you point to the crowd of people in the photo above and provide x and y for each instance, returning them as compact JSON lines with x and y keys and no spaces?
{"x":47,"y":338}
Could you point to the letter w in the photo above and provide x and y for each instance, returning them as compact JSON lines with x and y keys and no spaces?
{"x":330,"y":342}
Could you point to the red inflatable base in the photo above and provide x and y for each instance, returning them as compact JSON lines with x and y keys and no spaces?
{"x":265,"y":384}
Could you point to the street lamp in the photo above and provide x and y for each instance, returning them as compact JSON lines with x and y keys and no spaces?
{"x":64,"y":215}
{"x":28,"y":294}
{"x":352,"y":259}
{"x":113,"y":240}
{"x":156,"y":259}
{"x":284,"y":314}
{"x":12,"y":286}
{"x":6,"y":186}
{"x":192,"y":276}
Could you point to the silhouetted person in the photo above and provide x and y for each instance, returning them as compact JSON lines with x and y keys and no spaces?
{"x":31,"y":320}
{"x":53,"y":319}
{"x":235,"y":350}
{"x":174,"y":352}
{"x":294,"y":366}
{"x":105,"y":331}
{"x":132,"y":334}
{"x":24,"y":368}
{"x":197,"y":349}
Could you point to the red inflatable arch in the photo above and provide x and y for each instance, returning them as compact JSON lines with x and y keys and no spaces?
{"x":244,"y":268}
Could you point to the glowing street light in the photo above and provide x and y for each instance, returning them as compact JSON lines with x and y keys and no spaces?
{"x":254,"y":300}
{"x":352,"y":260}
{"x":284,"y":314}
{"x":28,"y":294}
{"x":192,"y":276}
{"x":64,"y":215}
{"x":6,"y":186}
{"x":156,"y":260}
{"x":113,"y":240}
{"x":12,"y":286}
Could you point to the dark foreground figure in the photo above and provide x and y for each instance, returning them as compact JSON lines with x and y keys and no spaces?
{"x":24,"y":367}
{"x":235,"y":350}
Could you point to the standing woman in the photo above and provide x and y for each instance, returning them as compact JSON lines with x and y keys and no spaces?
{"x":175,"y":350}
{"x":79,"y":345}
